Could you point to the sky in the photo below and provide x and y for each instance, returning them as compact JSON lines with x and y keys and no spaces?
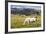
{"x":25,"y":6}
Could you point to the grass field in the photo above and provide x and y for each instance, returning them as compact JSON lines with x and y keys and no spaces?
{"x":17,"y":22}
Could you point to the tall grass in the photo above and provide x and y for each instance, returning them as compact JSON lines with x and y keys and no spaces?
{"x":17,"y":22}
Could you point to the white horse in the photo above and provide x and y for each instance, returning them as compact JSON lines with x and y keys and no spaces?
{"x":29,"y":20}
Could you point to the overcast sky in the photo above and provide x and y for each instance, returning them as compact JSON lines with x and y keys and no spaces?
{"x":25,"y":6}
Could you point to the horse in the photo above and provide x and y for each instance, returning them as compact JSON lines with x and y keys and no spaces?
{"x":29,"y":20}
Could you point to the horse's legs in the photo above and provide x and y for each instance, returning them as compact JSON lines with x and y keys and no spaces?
{"x":28,"y":22}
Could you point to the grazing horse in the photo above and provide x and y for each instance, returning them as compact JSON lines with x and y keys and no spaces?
{"x":29,"y":20}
